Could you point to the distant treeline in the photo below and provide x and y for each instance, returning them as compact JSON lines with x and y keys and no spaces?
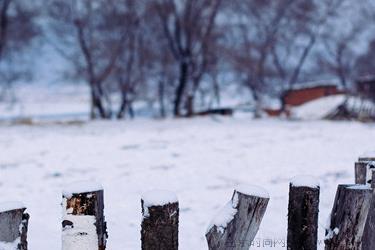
{"x":177,"y":53}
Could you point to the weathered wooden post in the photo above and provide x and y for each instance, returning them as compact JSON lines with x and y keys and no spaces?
{"x":348,"y":217}
{"x":360,"y":169}
{"x":238,"y":222}
{"x":368,"y":239}
{"x":83,"y":225}
{"x":363,"y":171}
{"x":160,"y":220}
{"x":303,"y":210}
{"x":13,"y":226}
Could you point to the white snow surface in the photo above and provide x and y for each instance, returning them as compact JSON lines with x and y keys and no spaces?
{"x":202,"y":160}
{"x":305,"y":181}
{"x":9,"y":245}
{"x":368,"y":154}
{"x":253,"y":190}
{"x":81,"y":187}
{"x":10,"y":205}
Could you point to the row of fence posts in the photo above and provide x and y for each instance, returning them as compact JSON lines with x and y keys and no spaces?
{"x":352,"y":221}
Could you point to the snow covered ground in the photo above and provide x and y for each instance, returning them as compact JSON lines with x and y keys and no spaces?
{"x":201,"y":160}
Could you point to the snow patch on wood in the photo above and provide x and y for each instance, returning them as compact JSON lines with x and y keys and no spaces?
{"x":253,"y":190}
{"x":158,"y":198}
{"x":225,"y":215}
{"x":305,"y":181}
{"x":81,"y":234}
{"x":81,"y":187}
{"x":11,"y":205}
{"x":10,"y":245}
{"x":359,"y":186}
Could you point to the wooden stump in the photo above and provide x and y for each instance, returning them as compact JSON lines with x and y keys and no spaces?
{"x":303,"y":212}
{"x":237,"y":224}
{"x":348,"y":217}
{"x":13,"y":225}
{"x":83,"y":225}
{"x":160,"y":212}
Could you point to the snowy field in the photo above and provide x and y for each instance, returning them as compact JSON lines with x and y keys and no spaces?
{"x":202,"y":160}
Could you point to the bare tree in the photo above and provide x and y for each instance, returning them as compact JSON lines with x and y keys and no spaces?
{"x":276,"y":38}
{"x":189,"y":29}
{"x":91,"y":35}
{"x":340,"y":52}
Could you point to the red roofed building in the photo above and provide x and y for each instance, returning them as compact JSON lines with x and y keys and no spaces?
{"x":302,"y":93}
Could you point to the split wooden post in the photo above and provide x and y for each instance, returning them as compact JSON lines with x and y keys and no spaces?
{"x":83,"y":225}
{"x":348,"y":217}
{"x":303,"y":210}
{"x":160,"y":210}
{"x":13,"y":225}
{"x":236,"y":226}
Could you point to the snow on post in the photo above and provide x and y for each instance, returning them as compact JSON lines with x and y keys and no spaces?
{"x":238,"y":222}
{"x":368,"y":156}
{"x":13,"y":226}
{"x":160,"y":212}
{"x":83,"y":225}
{"x":348,"y":217}
{"x":303,"y":210}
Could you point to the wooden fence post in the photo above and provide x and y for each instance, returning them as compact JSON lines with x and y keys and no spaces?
{"x":83,"y":225}
{"x":13,"y":226}
{"x":363,"y":171}
{"x":160,"y":212}
{"x":368,"y":239}
{"x":303,"y":212}
{"x":348,"y":217}
{"x":360,"y":169}
{"x":236,"y":226}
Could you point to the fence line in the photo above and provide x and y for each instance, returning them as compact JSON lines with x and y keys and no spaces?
{"x":352,"y":224}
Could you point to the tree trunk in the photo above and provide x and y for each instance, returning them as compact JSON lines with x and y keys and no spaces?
{"x":97,"y":107}
{"x":348,"y":217}
{"x":240,"y":231}
{"x":123,"y":106}
{"x":83,"y":221}
{"x":161,"y":96}
{"x":14,"y":226}
{"x":190,"y":106}
{"x":184,"y":66}
{"x":303,"y":212}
